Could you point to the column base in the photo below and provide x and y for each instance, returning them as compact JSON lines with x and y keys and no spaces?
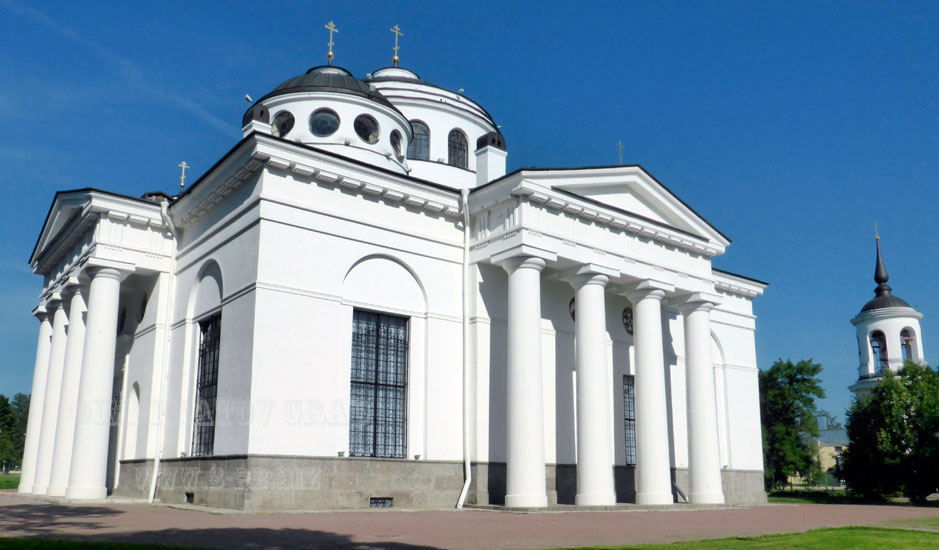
{"x":654,"y":499}
{"x":595,"y":499}
{"x":86,"y":493}
{"x":39,"y":490}
{"x":706,"y":498}
{"x":24,"y":489}
{"x":526,"y":501}
{"x":53,"y":491}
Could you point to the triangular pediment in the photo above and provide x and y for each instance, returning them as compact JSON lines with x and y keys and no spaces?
{"x":633,"y":190}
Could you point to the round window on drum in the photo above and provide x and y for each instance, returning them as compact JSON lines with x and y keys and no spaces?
{"x":283,"y":123}
{"x":324,"y":122}
{"x":366,"y":127}
{"x":396,"y":144}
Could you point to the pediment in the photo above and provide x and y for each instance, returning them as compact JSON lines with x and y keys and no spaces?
{"x":631,"y":189}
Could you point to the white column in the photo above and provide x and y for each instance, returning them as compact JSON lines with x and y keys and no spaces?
{"x":34,"y":420}
{"x":50,"y":404}
{"x":704,"y":462}
{"x":595,"y":485}
{"x":68,"y":397}
{"x":88,"y":472}
{"x":525,"y":466}
{"x":653,"y":467}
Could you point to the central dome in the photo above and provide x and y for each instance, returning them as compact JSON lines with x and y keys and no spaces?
{"x":325,"y":78}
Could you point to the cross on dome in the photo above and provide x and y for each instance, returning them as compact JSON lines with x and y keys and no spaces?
{"x":332,"y":29}
{"x":397,"y":32}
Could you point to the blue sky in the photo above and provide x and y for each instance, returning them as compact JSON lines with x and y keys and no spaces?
{"x":791,"y":126}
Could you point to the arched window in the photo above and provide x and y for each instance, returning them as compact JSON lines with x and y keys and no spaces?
{"x":906,"y":344}
{"x":419,"y":148}
{"x":457,"y":149}
{"x":879,"y":349}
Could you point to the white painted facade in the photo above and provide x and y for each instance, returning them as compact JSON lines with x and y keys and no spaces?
{"x":288,"y":235}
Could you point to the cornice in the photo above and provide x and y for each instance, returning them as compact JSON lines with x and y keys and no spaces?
{"x":312,"y":166}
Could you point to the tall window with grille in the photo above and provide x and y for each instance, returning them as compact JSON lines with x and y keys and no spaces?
{"x":377,"y":416}
{"x":419,"y":148}
{"x":879,"y":349}
{"x":457,"y":149}
{"x":629,"y":417}
{"x":203,"y":432}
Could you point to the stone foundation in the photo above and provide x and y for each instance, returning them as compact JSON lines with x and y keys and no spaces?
{"x":308,"y":483}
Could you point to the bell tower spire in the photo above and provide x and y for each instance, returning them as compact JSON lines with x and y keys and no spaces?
{"x":880,"y":273}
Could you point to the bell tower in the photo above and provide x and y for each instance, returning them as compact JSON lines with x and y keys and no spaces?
{"x":888,"y":332}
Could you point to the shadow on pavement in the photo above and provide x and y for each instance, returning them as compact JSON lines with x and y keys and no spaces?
{"x":257,"y":538}
{"x":40,"y":518}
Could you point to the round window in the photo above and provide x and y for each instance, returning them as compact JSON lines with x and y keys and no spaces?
{"x":283,"y":123}
{"x":324,"y":122}
{"x":396,"y":144}
{"x":367,"y":128}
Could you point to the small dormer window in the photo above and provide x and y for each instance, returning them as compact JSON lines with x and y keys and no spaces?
{"x":366,"y":127}
{"x":324,"y":122}
{"x":396,"y":144}
{"x":457,"y":149}
{"x":283,"y":123}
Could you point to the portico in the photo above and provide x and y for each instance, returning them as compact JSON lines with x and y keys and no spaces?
{"x":535,"y":233}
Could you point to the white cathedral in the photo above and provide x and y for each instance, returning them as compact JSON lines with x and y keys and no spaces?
{"x":357,"y":306}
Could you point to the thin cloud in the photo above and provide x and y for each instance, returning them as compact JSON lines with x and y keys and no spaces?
{"x":128,"y":70}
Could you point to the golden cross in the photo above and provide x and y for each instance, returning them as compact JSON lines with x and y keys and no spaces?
{"x":619,"y":144}
{"x":332,"y":28}
{"x":182,"y":178}
{"x":398,"y":33}
{"x":876,"y":233}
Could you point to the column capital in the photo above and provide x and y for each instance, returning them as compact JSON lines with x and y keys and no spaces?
{"x":648,"y":288}
{"x":41,"y":312}
{"x":696,"y":301}
{"x":100,"y":267}
{"x":513,"y":263}
{"x":585,"y":274}
{"x":584,"y":279}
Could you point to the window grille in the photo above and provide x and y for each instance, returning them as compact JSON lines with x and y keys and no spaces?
{"x":419,"y":148}
{"x":377,"y":416}
{"x":629,"y":417}
{"x":457,"y":149}
{"x":203,"y":437}
{"x":879,"y":349}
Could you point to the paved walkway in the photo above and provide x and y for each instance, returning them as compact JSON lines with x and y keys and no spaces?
{"x":476,"y":529}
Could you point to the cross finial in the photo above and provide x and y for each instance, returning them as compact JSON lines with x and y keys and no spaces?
{"x":619,"y":145}
{"x":332,"y":28}
{"x":398,"y":33}
{"x":876,"y":233}
{"x":182,"y":177}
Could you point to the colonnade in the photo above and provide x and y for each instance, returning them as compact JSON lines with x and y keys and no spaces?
{"x":525,"y":461}
{"x":66,"y":449}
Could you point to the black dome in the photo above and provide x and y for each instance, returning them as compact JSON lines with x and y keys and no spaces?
{"x":881,"y":302}
{"x":325,"y":78}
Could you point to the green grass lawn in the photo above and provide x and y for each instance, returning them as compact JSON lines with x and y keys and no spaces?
{"x":9,"y":482}
{"x":842,"y":538}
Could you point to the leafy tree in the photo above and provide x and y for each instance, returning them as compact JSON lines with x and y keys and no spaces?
{"x":20,"y":403}
{"x":833,"y":423}
{"x":8,"y":434}
{"x":787,"y":407}
{"x":894,"y":433}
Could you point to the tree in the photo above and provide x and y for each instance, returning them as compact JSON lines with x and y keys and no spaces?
{"x":833,"y":423}
{"x":787,"y":407}
{"x":20,"y":403}
{"x":894,"y":434}
{"x":8,"y":434}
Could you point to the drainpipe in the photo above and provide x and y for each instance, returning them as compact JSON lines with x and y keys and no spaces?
{"x":467,"y":373}
{"x":170,"y":290}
